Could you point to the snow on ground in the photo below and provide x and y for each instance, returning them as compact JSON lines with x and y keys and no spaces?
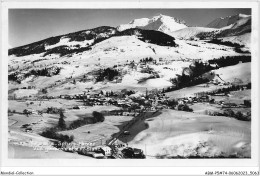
{"x":24,"y":152}
{"x":161,"y":22}
{"x":190,"y":32}
{"x":244,"y":39}
{"x":169,"y":70}
{"x":237,"y":97}
{"x":120,"y":49}
{"x":39,"y":122}
{"x":242,"y":21}
{"x":190,"y":91}
{"x":98,"y":131}
{"x":173,"y":133}
{"x":71,"y":44}
{"x":25,"y":92}
{"x":236,"y":73}
{"x":156,"y":83}
{"x":21,"y":143}
{"x":110,"y":52}
{"x":133,"y":24}
{"x":235,"y":21}
{"x":239,"y":74}
{"x":70,"y":88}
{"x":19,"y":106}
{"x":203,"y":108}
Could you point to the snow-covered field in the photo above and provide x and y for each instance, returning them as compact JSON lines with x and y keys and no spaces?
{"x":24,"y":152}
{"x":244,"y":39}
{"x":22,"y":144}
{"x":99,"y":131}
{"x":176,"y":133}
{"x":236,"y":73}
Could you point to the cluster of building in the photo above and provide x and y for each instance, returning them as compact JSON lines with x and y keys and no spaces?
{"x":104,"y":151}
{"x":150,"y":101}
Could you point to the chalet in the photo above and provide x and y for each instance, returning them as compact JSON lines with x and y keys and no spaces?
{"x":181,"y":102}
{"x":106,"y":151}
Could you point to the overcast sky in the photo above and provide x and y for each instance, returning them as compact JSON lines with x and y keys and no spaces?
{"x":30,"y":25}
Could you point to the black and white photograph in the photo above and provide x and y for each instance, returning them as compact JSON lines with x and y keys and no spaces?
{"x":130,"y":83}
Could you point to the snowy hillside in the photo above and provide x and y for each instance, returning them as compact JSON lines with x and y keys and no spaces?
{"x":117,"y":50}
{"x":240,"y":72}
{"x":230,"y":21}
{"x":84,"y":40}
{"x":244,"y":39}
{"x":65,"y":44}
{"x":161,"y":23}
{"x":69,"y":57}
{"x":221,"y":27}
{"x":191,"y":32}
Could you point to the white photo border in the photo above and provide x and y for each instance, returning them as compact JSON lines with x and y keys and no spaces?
{"x":253,"y":162}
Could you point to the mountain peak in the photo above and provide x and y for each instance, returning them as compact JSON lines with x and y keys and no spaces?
{"x":159,"y":22}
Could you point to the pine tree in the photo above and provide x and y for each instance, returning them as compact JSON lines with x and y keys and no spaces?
{"x":61,"y":122}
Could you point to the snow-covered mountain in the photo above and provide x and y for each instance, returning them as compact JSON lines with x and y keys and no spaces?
{"x":81,"y":41}
{"x":161,"y":23}
{"x":66,"y":44}
{"x":230,"y":21}
{"x":229,"y":27}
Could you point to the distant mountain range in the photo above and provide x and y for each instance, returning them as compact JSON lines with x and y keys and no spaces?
{"x":160,"y":30}
{"x":222,"y":27}
{"x":230,"y":21}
